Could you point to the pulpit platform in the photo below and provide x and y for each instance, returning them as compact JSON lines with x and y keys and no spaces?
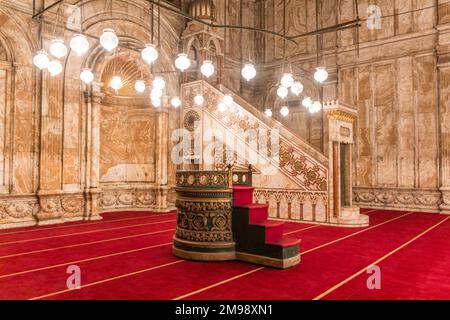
{"x":217,"y":220}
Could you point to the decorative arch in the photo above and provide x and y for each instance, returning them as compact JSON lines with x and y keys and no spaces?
{"x":18,"y":164}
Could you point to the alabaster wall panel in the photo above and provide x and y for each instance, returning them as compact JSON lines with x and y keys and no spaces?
{"x":425,"y":88}
{"x":396,"y":142}
{"x":406,"y":125}
{"x":2,"y":124}
{"x":127,"y":144}
{"x":444,"y":11}
{"x":364,"y":147}
{"x":444,"y":82}
{"x":385,"y":121}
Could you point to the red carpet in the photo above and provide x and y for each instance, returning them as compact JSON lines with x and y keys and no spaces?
{"x":128,"y":256}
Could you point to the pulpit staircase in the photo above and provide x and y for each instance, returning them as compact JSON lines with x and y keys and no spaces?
{"x":258,"y":239}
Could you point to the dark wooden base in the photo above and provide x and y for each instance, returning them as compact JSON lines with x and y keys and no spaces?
{"x":203,"y":251}
{"x":269,"y":262}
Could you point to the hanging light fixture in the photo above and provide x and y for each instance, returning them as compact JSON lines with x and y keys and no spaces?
{"x":228,"y":100}
{"x":139,"y":86}
{"x":321,"y":75}
{"x":109,"y":40}
{"x":116,"y":83}
{"x":87,"y":76}
{"x":79,"y":44}
{"x":199,"y":100}
{"x":282,"y":92}
{"x":287,"y":80}
{"x":315,"y":107}
{"x":222,"y":107}
{"x":248,"y":72}
{"x":159,"y":83}
{"x":175,"y":102}
{"x":55,"y":67}
{"x":41,"y":59}
{"x":57,"y":48}
{"x":156,"y":102}
{"x":284,"y":111}
{"x":297,"y":88}
{"x":156,"y":93}
{"x":207,"y":68}
{"x":182,"y":62}
{"x":268,"y":113}
{"x":150,"y":53}
{"x":307,"y":102}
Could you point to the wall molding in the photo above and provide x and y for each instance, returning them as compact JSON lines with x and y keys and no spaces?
{"x":424,"y":200}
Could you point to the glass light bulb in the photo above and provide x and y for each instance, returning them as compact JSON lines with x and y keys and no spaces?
{"x":248,"y":72}
{"x":207,"y":68}
{"x":297,"y":88}
{"x":150,"y":53}
{"x":41,"y":60}
{"x":268,"y":113}
{"x":222,"y":107}
{"x":315,"y":107}
{"x":156,"y":102}
{"x":199,"y":100}
{"x":287,"y":80}
{"x":228,"y":100}
{"x":109,"y":40}
{"x":139,"y":86}
{"x":159,"y":83}
{"x":79,"y":44}
{"x":87,"y":76}
{"x":307,"y":102}
{"x":55,"y":67}
{"x":284,"y":111}
{"x":58,"y":49}
{"x":321,"y":75}
{"x":175,"y":102}
{"x":156,"y":93}
{"x":116,"y":83}
{"x":182,"y":62}
{"x":282,"y":92}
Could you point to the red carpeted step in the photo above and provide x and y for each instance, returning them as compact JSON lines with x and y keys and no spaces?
{"x":274,"y":230}
{"x":286,"y":242}
{"x":242,"y":196}
{"x":257,"y":213}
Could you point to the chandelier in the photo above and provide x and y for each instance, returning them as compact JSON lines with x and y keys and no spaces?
{"x":109,"y":41}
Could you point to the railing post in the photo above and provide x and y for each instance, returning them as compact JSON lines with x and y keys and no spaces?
{"x":230,"y":176}
{"x":250,"y":175}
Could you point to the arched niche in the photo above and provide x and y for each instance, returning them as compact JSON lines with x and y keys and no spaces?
{"x":18,"y":112}
{"x":193,"y":52}
{"x":130,"y":21}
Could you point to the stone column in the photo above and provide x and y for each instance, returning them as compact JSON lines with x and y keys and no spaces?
{"x":50,"y":168}
{"x":443,"y":66}
{"x":161,"y":152}
{"x":93,"y":190}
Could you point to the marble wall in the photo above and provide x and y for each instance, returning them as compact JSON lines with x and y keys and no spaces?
{"x":70,"y":151}
{"x":397,"y":77}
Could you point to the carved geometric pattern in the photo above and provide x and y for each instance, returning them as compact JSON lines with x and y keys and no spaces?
{"x":191,"y":120}
{"x":204,"y":221}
